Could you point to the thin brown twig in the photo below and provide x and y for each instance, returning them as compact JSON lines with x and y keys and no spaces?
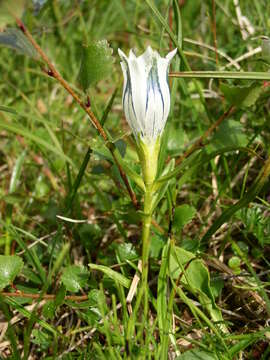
{"x":55,"y":74}
{"x":199,"y":143}
{"x":43,"y":297}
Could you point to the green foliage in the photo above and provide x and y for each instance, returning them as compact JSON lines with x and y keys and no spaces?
{"x":197,"y":354}
{"x":42,"y":339}
{"x":241,"y":96}
{"x":234,"y":263}
{"x":48,"y":310}
{"x":176,"y":138}
{"x":10,"y":267}
{"x":126,"y":252}
{"x":96,"y":63}
{"x":16,"y":40}
{"x":230,"y":133}
{"x":192,"y":272}
{"x":53,"y":162}
{"x":266,"y":49}
{"x":90,"y":235}
{"x":183,"y":214}
{"x":118,"y":278}
{"x":157,"y":244}
{"x":256,"y":223}
{"x":9,"y":10}
{"x":74,"y":277}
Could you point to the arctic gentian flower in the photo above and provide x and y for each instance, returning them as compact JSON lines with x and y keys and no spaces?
{"x":146,"y":94}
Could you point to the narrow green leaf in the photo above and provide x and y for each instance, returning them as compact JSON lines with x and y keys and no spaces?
{"x":161,"y":190}
{"x":108,"y":108}
{"x":8,"y":109}
{"x":129,"y":171}
{"x":48,"y":310}
{"x":164,"y":23}
{"x":29,"y":315}
{"x":76,"y":185}
{"x":30,"y":253}
{"x":198,"y":313}
{"x":194,"y":274}
{"x":246,"y":199}
{"x":15,"y":39}
{"x":17,"y":129}
{"x":198,"y":159}
{"x":243,"y":75}
{"x":266,"y":49}
{"x":117,"y":277}
{"x":16,"y":172}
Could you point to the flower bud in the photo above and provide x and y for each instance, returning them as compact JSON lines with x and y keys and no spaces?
{"x":146,"y":93}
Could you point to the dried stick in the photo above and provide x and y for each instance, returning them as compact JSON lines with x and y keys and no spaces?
{"x":54,"y":73}
{"x":44,"y":297}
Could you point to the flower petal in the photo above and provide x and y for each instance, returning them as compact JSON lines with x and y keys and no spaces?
{"x":171,"y":54}
{"x":146,"y":94}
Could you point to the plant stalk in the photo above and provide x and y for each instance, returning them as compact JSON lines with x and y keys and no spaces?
{"x":146,"y":244}
{"x":148,"y":154}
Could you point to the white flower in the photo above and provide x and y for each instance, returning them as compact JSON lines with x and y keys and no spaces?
{"x":146,"y":93}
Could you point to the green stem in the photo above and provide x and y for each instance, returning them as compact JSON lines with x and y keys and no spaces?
{"x":146,"y":245}
{"x":168,"y":316}
{"x":143,"y":290}
{"x":148,"y":154}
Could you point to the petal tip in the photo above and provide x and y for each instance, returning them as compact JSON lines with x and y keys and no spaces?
{"x":171,"y":54}
{"x":122,"y":54}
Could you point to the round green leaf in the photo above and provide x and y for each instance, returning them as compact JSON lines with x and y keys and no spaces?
{"x":10,"y":266}
{"x":197,"y":354}
{"x":96,"y":63}
{"x":126,"y":251}
{"x":195,"y":274}
{"x":74,"y":277}
{"x":234,"y":262}
{"x":241,"y":95}
{"x":182,"y":216}
{"x":230,"y":133}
